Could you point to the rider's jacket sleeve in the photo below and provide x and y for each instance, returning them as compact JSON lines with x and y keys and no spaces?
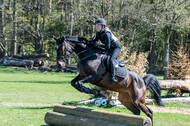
{"x":107,"y":40}
{"x":96,"y":38}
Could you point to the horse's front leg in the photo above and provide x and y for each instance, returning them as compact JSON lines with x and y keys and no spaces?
{"x":73,"y":83}
{"x":87,"y":79}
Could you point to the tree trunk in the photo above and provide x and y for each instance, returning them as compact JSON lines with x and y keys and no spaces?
{"x":92,"y":29}
{"x":113,"y":12}
{"x":172,"y":44}
{"x":80,"y":18}
{"x":2,"y":18}
{"x":8,"y":5}
{"x":71,"y":17}
{"x":14,"y":45}
{"x":50,"y":5}
{"x":62,"y":11}
{"x":120,"y":20}
{"x":102,"y":7}
{"x":43,"y":25}
{"x":2,"y":36}
{"x":66,"y":17}
{"x":151,"y":61}
{"x":37,"y":30}
{"x":153,"y":43}
{"x":166,"y":51}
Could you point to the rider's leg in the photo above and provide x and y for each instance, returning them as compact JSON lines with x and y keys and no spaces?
{"x":114,"y":54}
{"x":113,"y":78}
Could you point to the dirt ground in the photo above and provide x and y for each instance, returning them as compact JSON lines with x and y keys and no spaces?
{"x":170,"y":110}
{"x":154,"y":108}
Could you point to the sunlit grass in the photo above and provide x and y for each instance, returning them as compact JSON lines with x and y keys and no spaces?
{"x":18,"y":86}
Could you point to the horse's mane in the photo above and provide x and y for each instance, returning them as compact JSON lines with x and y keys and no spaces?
{"x":76,"y":39}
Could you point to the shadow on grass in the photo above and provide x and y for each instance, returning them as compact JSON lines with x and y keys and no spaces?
{"x":73,"y":103}
{"x":41,"y":82}
{"x":40,"y":107}
{"x":8,"y":69}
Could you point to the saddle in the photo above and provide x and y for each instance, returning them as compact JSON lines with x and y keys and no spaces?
{"x":120,"y":69}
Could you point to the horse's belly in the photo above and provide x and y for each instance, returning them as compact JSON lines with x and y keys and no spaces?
{"x":108,"y":85}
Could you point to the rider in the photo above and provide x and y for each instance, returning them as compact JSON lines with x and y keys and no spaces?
{"x":112,"y":46}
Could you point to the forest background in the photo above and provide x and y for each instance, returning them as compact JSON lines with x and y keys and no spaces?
{"x":153,"y":27}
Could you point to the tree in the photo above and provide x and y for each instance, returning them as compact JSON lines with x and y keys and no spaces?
{"x":175,"y":18}
{"x":179,"y":66}
{"x":1,"y":25}
{"x":14,"y":40}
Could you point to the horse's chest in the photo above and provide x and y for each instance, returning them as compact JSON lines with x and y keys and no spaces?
{"x":90,"y":67}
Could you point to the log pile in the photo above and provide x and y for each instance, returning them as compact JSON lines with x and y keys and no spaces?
{"x":45,"y":55}
{"x":75,"y":116}
{"x":29,"y":61}
{"x":175,"y":84}
{"x":181,"y":86}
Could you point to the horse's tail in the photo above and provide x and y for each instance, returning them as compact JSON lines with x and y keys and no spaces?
{"x":154,"y":86}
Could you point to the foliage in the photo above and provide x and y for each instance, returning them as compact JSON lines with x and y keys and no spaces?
{"x":136,"y":62}
{"x":140,"y":24}
{"x":179,"y":67}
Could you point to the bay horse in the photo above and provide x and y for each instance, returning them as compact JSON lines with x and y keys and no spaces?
{"x":132,"y":88}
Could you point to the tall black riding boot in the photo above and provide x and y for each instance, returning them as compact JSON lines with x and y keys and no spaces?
{"x":113,"y":78}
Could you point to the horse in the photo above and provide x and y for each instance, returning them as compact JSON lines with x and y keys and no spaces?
{"x":94,"y":69}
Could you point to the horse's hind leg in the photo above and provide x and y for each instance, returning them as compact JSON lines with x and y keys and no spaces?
{"x":125,"y":99}
{"x":138,"y":95}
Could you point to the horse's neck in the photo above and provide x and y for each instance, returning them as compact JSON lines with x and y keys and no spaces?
{"x":84,"y":53}
{"x":78,"y":48}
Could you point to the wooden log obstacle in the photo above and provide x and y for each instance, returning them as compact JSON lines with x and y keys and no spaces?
{"x":75,"y":116}
{"x":181,"y":86}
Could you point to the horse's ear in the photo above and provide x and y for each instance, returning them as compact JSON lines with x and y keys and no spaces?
{"x":55,"y":38}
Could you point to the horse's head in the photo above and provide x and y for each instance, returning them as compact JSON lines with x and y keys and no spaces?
{"x":63,"y":48}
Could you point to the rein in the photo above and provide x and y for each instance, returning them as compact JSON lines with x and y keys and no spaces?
{"x":84,"y":51}
{"x":66,"y":49}
{"x":65,"y":43}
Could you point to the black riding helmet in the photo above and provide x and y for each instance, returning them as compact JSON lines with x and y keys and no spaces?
{"x":100,"y":21}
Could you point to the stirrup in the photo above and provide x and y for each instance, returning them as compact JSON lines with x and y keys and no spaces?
{"x":114,"y":79}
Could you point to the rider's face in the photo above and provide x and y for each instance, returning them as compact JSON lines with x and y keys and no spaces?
{"x":98,"y":27}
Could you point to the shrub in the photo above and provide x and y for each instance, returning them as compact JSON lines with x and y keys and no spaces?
{"x":179,"y":66}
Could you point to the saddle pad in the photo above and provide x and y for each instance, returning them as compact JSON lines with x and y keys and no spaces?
{"x":121,"y":72}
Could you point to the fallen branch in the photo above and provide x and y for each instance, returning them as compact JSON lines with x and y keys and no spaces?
{"x":46,"y":55}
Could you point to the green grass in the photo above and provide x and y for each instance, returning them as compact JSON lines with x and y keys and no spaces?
{"x":160,"y":77}
{"x":18,"y":86}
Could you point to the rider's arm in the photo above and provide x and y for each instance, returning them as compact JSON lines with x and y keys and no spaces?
{"x":107,"y":40}
{"x":93,"y":42}
{"x":96,"y":38}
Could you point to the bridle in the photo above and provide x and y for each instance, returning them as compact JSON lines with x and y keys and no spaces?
{"x":65,"y":44}
{"x":65,"y":50}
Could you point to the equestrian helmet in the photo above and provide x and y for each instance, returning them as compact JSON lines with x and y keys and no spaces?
{"x":100,"y":21}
